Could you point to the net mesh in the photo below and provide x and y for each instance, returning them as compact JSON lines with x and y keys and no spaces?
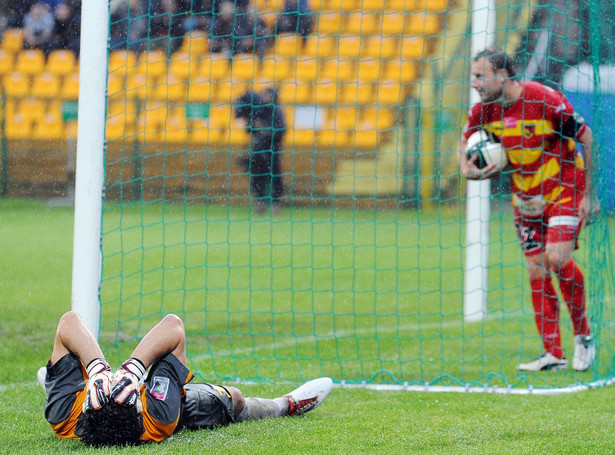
{"x":354,"y":271}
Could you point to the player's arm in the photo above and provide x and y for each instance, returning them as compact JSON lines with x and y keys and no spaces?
{"x":588,"y":207}
{"x":167,"y":337}
{"x":467,"y":166}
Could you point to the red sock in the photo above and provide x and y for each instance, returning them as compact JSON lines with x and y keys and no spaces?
{"x":572,"y":285}
{"x":546,"y":314}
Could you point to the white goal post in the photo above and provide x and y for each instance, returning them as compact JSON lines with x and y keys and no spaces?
{"x":87,"y":253}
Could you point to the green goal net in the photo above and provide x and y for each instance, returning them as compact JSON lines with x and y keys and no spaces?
{"x":337,"y":249}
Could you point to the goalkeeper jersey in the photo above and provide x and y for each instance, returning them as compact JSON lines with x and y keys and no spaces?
{"x":546,"y":164}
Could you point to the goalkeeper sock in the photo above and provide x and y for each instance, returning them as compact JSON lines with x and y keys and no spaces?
{"x":546,"y":314}
{"x":261,"y":408}
{"x":572,"y":285}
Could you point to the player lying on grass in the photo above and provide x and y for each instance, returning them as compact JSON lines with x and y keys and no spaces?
{"x":87,"y":401}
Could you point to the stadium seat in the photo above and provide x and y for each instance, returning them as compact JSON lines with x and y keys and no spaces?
{"x":287,"y":45}
{"x":171,"y":89}
{"x":345,"y":117}
{"x":292,"y":93}
{"x":30,"y":62}
{"x":238,"y":136}
{"x":121,"y":62}
{"x":321,"y":47}
{"x":407,"y":6}
{"x":16,"y":85}
{"x":325,"y":92}
{"x":49,"y":128}
{"x":61,"y":62}
{"x":220,"y":116}
{"x":357,"y":93}
{"x":7,"y":61}
{"x":195,"y":44}
{"x":307,"y":69}
{"x":275,"y":70}
{"x":361,"y":23}
{"x":176,"y":129}
{"x":138,"y":85}
{"x":393,"y":23}
{"x":364,"y":136}
{"x":16,"y":127}
{"x":32,"y":109}
{"x":329,"y":23}
{"x":389,"y":93}
{"x":412,"y":48}
{"x":12,"y":40}
{"x":423,"y":24}
{"x":299,"y":138}
{"x":45,"y":85}
{"x":199,"y":90}
{"x":182,"y":66}
{"x":115,"y":85}
{"x":70,"y":87}
{"x":381,"y":47}
{"x":368,"y":70}
{"x":431,"y":6}
{"x":339,"y":70}
{"x":349,"y":47}
{"x":215,"y":68}
{"x":400,"y":70}
{"x":243,"y":67}
{"x":152,"y":63}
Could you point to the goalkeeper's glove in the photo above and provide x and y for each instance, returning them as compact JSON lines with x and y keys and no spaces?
{"x":125,"y":386}
{"x":99,"y":384}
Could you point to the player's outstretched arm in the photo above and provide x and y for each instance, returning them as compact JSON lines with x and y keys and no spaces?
{"x":589,"y":208}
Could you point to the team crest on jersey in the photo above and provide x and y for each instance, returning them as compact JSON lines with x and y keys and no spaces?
{"x":160,"y":388}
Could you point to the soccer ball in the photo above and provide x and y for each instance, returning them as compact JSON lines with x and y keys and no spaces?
{"x":488,"y":149}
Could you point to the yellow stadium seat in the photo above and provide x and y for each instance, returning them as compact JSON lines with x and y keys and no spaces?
{"x":320,"y":47}
{"x":238,"y":136}
{"x":361,"y":23}
{"x":181,"y":66}
{"x":431,"y":6}
{"x":12,"y":40}
{"x":423,"y":24}
{"x":329,"y":23}
{"x":49,"y":128}
{"x":393,"y":23}
{"x":17,"y":127}
{"x":275,"y":70}
{"x":7,"y":62}
{"x":152,"y":63}
{"x":345,"y":117}
{"x":16,"y":85}
{"x":372,"y":6}
{"x":122,"y":62}
{"x":30,"y":62}
{"x":364,"y":136}
{"x":325,"y":93}
{"x":70,"y":87}
{"x":389,"y":93}
{"x":349,"y":47}
{"x":381,"y":47}
{"x":243,"y":67}
{"x":61,"y":62}
{"x":176,"y":129}
{"x":292,"y":93}
{"x":32,"y":109}
{"x":220,"y":115}
{"x":369,"y":70}
{"x":215,"y":68}
{"x":287,"y":45}
{"x":401,"y":5}
{"x":195,"y":44}
{"x":332,"y":139}
{"x":138,"y":85}
{"x":71,"y":128}
{"x":171,"y":89}
{"x":115,"y":85}
{"x":299,"y":138}
{"x":403,"y":71}
{"x":199,"y":90}
{"x":357,"y":93}
{"x":412,"y":48}
{"x":339,"y":70}
{"x":45,"y":85}
{"x":307,"y":69}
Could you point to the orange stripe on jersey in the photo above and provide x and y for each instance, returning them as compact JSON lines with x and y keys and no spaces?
{"x":525,"y":183}
{"x":66,"y":428}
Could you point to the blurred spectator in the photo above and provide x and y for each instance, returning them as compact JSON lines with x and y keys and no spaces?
{"x":38,"y":26}
{"x":265,"y":123}
{"x":18,"y":8}
{"x":67,"y":26}
{"x":165,"y":25}
{"x":235,"y":31}
{"x":129,"y":24}
{"x":296,"y":17}
{"x":199,"y":15}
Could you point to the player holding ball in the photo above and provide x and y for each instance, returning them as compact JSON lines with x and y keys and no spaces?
{"x":551,"y":187}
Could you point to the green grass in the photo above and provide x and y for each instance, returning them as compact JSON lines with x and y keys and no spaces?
{"x":35,"y":273}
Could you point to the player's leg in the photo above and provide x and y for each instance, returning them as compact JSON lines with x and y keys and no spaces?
{"x":561,"y":242}
{"x":543,"y":295}
{"x":301,"y":400}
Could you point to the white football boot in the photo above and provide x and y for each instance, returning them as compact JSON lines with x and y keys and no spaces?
{"x":584,"y":352}
{"x":309,"y":396}
{"x":547,"y":361}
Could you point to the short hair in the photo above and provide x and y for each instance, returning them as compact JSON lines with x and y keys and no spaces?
{"x":112,"y":425}
{"x":499,"y":60}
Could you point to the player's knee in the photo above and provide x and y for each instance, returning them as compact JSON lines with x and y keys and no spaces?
{"x":239,"y":400}
{"x":554,"y":261}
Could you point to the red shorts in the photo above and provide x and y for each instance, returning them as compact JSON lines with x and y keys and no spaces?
{"x":561,"y":224}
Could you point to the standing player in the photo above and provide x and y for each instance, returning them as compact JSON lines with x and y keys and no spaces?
{"x":86,"y":401}
{"x":551,"y":186}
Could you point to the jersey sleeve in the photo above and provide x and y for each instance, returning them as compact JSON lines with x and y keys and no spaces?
{"x":474,"y":121}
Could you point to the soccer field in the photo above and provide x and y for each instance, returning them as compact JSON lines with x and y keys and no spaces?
{"x":36,"y":245}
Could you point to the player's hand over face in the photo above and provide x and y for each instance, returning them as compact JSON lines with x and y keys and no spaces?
{"x":125,"y":386}
{"x":99,"y":384}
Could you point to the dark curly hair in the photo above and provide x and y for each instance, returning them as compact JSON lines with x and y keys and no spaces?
{"x":111,"y":425}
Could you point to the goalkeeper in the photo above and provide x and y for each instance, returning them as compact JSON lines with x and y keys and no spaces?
{"x":87,"y":401}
